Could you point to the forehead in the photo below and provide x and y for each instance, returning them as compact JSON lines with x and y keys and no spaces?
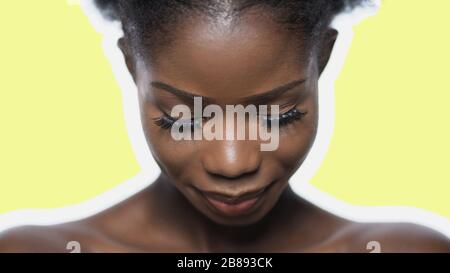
{"x":224,"y":59}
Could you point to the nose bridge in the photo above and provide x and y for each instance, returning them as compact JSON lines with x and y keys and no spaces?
{"x":232,"y":158}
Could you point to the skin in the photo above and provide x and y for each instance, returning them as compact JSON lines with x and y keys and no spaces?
{"x":229,"y":64}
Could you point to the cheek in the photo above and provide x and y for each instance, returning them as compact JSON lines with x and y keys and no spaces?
{"x":174,"y":157}
{"x":297,"y":138}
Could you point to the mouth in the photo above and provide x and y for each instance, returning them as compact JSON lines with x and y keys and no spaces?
{"x":237,"y":204}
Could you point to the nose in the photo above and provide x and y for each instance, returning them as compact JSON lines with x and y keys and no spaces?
{"x":232,"y":159}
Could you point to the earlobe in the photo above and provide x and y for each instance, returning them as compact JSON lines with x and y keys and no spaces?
{"x":129,"y":61}
{"x":326,"y":48}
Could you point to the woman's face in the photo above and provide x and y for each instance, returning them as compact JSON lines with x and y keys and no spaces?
{"x":232,"y":182}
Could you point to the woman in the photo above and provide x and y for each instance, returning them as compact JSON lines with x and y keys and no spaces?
{"x":224,"y":195}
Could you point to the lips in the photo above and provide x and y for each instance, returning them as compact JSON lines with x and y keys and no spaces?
{"x":234,"y":205}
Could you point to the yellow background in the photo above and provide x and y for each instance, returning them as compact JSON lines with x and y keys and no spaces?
{"x":63,"y":138}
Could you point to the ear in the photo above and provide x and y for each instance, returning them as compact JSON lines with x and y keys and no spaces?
{"x":326,"y":48}
{"x":127,"y":53}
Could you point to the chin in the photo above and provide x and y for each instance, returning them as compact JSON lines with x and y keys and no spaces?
{"x":243,"y":221}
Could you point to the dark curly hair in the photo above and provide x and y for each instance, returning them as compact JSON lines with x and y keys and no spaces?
{"x":154,"y":19}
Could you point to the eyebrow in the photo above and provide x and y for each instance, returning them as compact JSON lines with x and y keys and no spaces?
{"x":256,"y":99}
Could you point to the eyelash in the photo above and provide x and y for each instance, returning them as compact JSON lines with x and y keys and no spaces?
{"x":286,"y":118}
{"x":166,"y":122}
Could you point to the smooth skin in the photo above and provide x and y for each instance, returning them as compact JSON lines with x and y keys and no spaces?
{"x":230,"y":64}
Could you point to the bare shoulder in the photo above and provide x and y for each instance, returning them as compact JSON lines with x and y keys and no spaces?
{"x":111,"y":230}
{"x":390,"y":237}
{"x":58,"y":238}
{"x":77,"y":236}
{"x":343,"y":235}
